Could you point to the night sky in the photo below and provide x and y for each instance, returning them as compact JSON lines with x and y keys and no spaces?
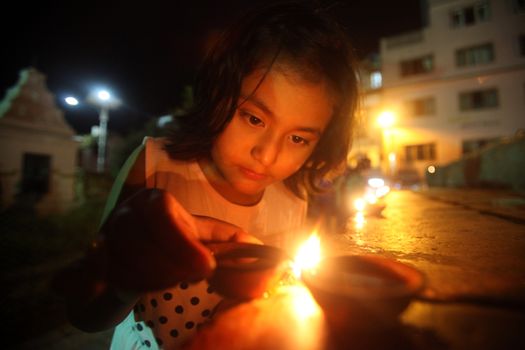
{"x":147,"y":51}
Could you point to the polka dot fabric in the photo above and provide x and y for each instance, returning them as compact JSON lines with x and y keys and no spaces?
{"x":168,"y":318}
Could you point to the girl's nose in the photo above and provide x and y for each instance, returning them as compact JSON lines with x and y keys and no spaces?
{"x":266,"y":151}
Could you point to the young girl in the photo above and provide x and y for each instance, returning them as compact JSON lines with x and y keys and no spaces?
{"x":274,"y":103}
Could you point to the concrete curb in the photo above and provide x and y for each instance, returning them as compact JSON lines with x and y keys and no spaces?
{"x":506,"y":205}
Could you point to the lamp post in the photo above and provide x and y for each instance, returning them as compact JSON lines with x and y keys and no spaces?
{"x":386,"y":120}
{"x":103,"y":100}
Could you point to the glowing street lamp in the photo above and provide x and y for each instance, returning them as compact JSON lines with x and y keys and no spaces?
{"x":386,"y":120}
{"x":72,"y":101}
{"x":104,"y":101}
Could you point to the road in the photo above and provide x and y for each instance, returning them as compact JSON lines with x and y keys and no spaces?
{"x":465,"y":252}
{"x":472,"y":251}
{"x":469,"y":244}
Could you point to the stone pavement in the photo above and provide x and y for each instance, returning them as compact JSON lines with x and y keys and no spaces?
{"x":505,"y":204}
{"x":469,"y":243}
{"x":473,"y":258}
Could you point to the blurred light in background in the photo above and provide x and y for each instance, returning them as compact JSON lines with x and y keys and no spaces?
{"x":376,"y":182}
{"x":104,"y":101}
{"x":386,"y":119}
{"x":72,"y":101}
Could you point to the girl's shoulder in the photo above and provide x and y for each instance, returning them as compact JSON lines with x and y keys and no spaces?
{"x":157,"y":159}
{"x":155,"y":148}
{"x":155,"y":144}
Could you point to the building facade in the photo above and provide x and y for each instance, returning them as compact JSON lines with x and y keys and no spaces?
{"x":367,"y":135}
{"x":454,"y":86}
{"x":38,"y":154}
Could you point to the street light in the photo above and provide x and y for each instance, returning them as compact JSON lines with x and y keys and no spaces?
{"x":72,"y":101}
{"x":386,"y":120}
{"x":104,"y":101}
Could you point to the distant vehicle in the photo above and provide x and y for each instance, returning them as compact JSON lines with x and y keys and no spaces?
{"x":371,"y":199}
{"x":407,"y":178}
{"x":362,"y":192}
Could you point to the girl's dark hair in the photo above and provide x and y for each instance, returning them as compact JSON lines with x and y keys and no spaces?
{"x":298,"y":35}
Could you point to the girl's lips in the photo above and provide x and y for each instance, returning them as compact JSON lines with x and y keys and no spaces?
{"x":252,"y":174}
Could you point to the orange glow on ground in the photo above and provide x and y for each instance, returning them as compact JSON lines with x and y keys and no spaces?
{"x":302,"y":303}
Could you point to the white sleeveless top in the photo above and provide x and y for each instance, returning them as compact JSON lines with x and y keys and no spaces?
{"x":166,"y":319}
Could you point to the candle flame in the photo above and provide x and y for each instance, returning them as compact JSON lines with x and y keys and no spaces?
{"x":308,"y":255}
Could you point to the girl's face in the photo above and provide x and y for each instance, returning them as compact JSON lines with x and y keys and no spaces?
{"x":273,"y":132}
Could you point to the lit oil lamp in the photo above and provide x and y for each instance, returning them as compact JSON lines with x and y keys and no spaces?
{"x":356,"y":291}
{"x":245,"y":270}
{"x":353,"y":291}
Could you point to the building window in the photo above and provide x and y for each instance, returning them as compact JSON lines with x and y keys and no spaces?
{"x":470,"y":15}
{"x":475,"y":55}
{"x":422,"y":106}
{"x":36,"y":173}
{"x":376,"y":80}
{"x":416,"y":66}
{"x":469,"y":146}
{"x":521,"y":41}
{"x":425,"y":151}
{"x":518,"y":6}
{"x":479,"y":99}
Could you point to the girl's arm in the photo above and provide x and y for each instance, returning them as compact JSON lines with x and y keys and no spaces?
{"x":148,"y":242}
{"x":92,"y":303}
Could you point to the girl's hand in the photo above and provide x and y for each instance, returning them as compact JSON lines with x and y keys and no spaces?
{"x":152,"y":242}
{"x":211,"y":229}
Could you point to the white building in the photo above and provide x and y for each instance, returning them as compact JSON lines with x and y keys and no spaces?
{"x":455,"y":85}
{"x":38,"y":155}
{"x":367,"y":136}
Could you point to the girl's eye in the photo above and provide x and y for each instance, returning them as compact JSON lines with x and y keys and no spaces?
{"x":299,"y":140}
{"x":253,"y":120}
